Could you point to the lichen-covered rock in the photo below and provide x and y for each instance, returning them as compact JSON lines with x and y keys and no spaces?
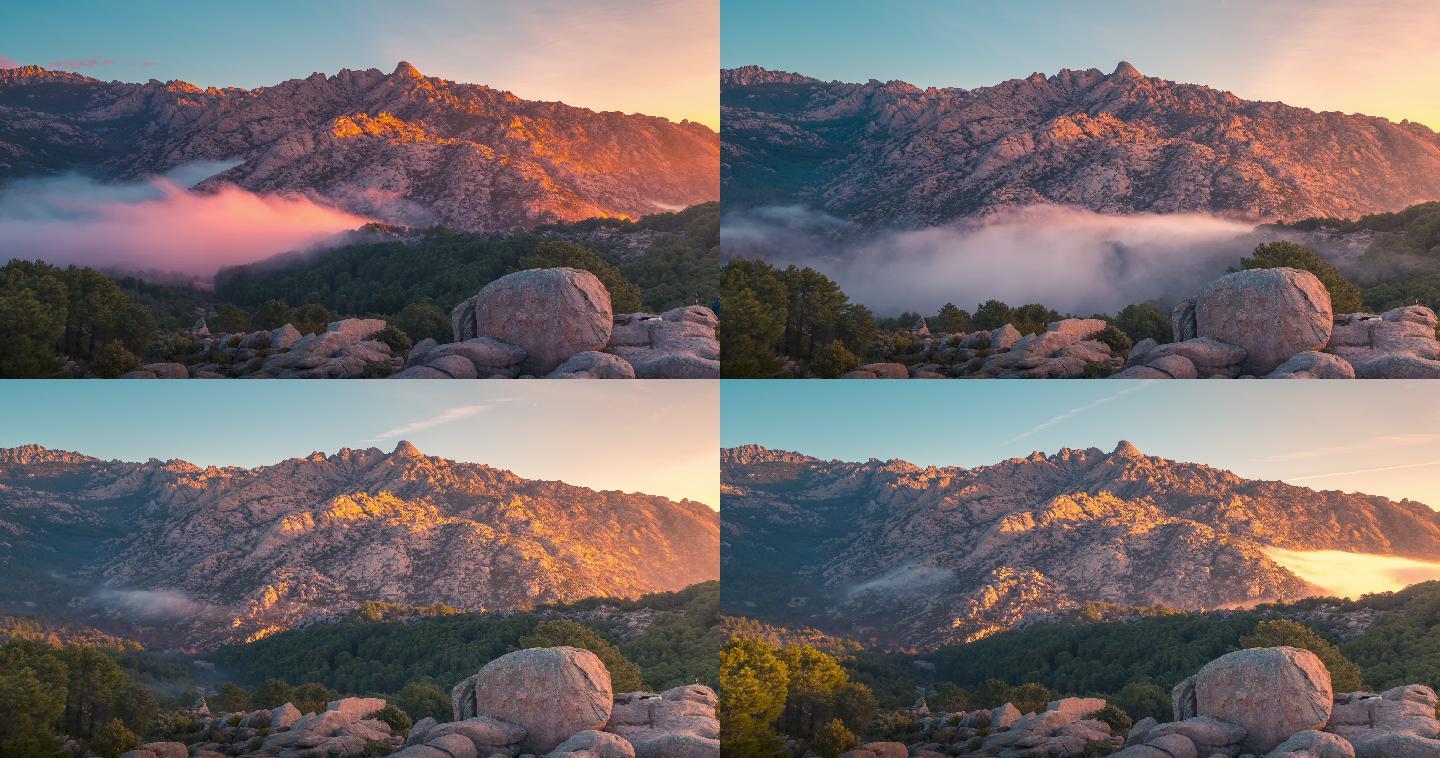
{"x":284,"y":717}
{"x":488,"y":734}
{"x":1271,"y":313}
{"x":1209,"y":735}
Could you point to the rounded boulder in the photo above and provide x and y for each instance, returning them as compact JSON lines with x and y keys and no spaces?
{"x":553,"y":313}
{"x":1272,"y":313}
{"x":1273,"y":692}
{"x":553,"y":692}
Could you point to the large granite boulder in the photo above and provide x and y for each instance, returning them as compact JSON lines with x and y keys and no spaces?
{"x":553,"y":313}
{"x":1271,"y":313}
{"x":1273,"y":692}
{"x":553,"y":692}
{"x":1313,"y":365}
{"x":1397,"y":344}
{"x":1312,"y":744}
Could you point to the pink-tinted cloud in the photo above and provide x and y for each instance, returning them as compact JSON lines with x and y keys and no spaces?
{"x":146,"y":64}
{"x":158,"y":225}
{"x":72,"y":63}
{"x":8,"y":62}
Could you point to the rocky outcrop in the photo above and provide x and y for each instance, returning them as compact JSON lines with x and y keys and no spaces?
{"x":558,"y":702}
{"x":1271,"y":692}
{"x":551,"y":692}
{"x":945,"y":554}
{"x":1067,"y":348}
{"x":1277,"y":702}
{"x":1270,"y":313}
{"x":551,"y":313}
{"x":346,"y":349}
{"x":557,"y":323}
{"x":1276,"y":324}
{"x":401,"y":147}
{"x":1119,"y":142}
{"x":345,"y":727}
{"x":253,"y":551}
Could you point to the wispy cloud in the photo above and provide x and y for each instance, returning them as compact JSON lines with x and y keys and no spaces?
{"x":1381,"y":442}
{"x":1076,"y":411}
{"x":1361,"y":471}
{"x":444,"y":417}
{"x":8,"y":62}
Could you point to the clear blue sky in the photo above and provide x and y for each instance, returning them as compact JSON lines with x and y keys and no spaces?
{"x":657,"y":437}
{"x":1320,"y":434}
{"x":652,"y":56}
{"x":1372,"y":56}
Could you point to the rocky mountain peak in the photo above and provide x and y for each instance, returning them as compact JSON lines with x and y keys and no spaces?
{"x":407,"y":449}
{"x":1127,"y":70}
{"x":407,"y":69}
{"x":1127,"y":449}
{"x":749,"y":454}
{"x":25,"y":455}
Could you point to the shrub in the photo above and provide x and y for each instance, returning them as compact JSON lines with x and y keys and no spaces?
{"x":1097,"y":370}
{"x":833,"y":360}
{"x":833,"y":739}
{"x":398,"y":719}
{"x":113,"y":739}
{"x":113,"y":360}
{"x":397,"y":340}
{"x":1119,"y":721}
{"x":1119,"y":342}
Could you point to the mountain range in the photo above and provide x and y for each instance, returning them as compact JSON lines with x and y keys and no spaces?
{"x":167,"y":552}
{"x":401,"y":147}
{"x":894,"y":154}
{"x":903,"y":556}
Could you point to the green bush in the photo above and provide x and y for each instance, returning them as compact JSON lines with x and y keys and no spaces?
{"x":832,"y":361}
{"x":398,"y":720}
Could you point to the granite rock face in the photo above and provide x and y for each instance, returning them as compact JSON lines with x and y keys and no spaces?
{"x":401,"y":147}
{"x":1120,"y":142}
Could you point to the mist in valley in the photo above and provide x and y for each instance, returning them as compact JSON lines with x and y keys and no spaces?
{"x":159,"y":226}
{"x":1072,"y":260}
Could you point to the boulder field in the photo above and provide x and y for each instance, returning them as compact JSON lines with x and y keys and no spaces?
{"x":1263,"y":323}
{"x":536,"y":703}
{"x":552,"y":323}
{"x":1273,"y":702}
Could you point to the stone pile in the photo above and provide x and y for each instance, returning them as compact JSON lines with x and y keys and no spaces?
{"x":1277,"y":324}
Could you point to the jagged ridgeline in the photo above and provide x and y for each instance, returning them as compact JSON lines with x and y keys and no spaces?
{"x":891,"y":153}
{"x":898,"y":555}
{"x":400,"y":148}
{"x":173,"y":554}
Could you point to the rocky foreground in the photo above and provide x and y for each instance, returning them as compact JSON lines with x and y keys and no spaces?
{"x":553,"y":702}
{"x":1274,"y":702}
{"x":1265,"y":323}
{"x":551,"y":323}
